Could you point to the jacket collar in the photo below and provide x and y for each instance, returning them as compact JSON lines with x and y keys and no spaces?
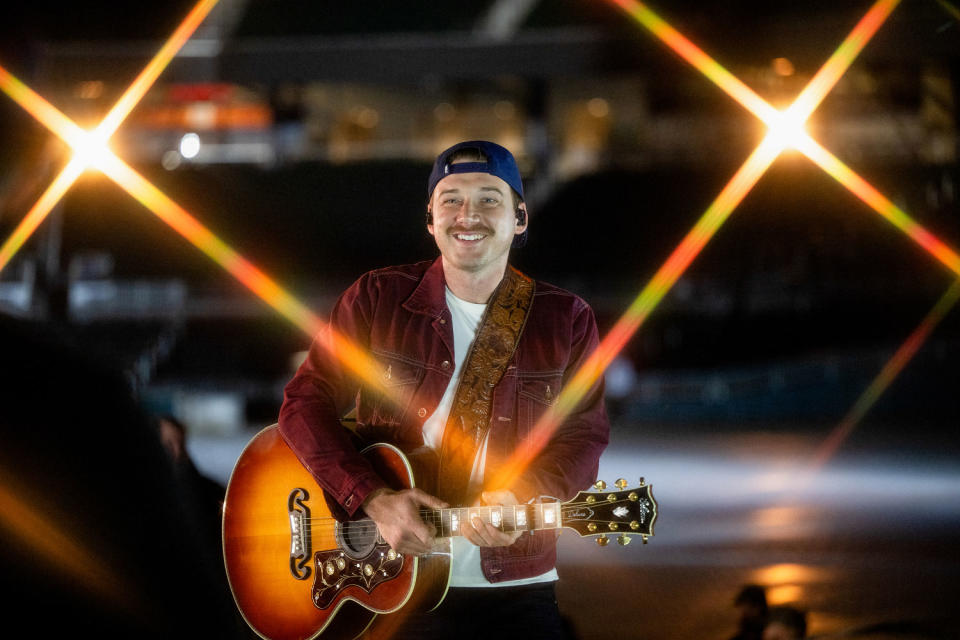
{"x":428,"y":298}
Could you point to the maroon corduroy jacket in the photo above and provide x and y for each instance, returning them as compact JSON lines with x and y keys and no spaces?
{"x":399,"y":315}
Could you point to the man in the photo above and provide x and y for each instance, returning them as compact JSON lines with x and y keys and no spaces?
{"x":474,"y":353}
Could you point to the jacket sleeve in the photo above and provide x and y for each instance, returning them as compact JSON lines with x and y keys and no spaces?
{"x":569,"y":460}
{"x":323,"y":390}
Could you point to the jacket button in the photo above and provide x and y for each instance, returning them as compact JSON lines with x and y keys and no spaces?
{"x":422,"y":412}
{"x":445,"y":364}
{"x":443,"y":321}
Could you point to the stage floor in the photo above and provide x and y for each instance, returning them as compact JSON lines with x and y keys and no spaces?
{"x":868,"y":538}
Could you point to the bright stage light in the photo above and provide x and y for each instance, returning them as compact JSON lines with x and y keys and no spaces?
{"x":190,"y":145}
{"x":91,"y":151}
{"x":787,"y":131}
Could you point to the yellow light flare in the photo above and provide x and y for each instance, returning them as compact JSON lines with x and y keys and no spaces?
{"x":39,"y":211}
{"x":879,"y":203}
{"x":885,"y":378}
{"x":785,"y":131}
{"x":44,"y":112}
{"x":90,"y":148}
{"x":135,"y":92}
{"x":830,"y":73}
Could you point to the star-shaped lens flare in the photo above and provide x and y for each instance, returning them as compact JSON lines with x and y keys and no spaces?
{"x":91,"y":151}
{"x":785,"y":130}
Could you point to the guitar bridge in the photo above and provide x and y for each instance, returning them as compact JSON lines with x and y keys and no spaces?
{"x":300,"y":544}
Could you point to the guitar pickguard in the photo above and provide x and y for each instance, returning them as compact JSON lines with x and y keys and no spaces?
{"x":335,"y":571}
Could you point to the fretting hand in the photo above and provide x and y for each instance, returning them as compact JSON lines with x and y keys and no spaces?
{"x":484,"y":534}
{"x":397,"y":514}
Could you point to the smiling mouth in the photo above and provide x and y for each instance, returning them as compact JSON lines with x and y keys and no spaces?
{"x":469,"y":237}
{"x":472,"y":235}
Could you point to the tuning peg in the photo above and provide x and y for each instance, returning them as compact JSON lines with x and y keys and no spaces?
{"x":600,"y":485}
{"x":602,"y":540}
{"x":621,"y":483}
{"x":623,"y":540}
{"x":642,"y":483}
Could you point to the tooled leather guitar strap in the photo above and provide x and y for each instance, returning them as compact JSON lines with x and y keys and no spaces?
{"x":493,"y":347}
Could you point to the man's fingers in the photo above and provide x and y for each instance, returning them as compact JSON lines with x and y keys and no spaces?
{"x":427,"y":500}
{"x":483,"y":534}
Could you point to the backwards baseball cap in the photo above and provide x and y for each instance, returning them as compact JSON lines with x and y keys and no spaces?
{"x":500,"y":163}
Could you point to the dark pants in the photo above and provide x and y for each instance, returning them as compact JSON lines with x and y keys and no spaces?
{"x":529,"y":612}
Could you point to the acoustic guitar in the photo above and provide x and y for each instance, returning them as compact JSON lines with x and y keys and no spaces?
{"x":297,"y":573}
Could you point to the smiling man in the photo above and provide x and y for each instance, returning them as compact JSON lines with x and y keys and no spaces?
{"x":474,"y":352}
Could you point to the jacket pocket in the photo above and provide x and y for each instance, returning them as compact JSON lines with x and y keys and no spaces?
{"x":534,"y":396}
{"x":386,"y":408}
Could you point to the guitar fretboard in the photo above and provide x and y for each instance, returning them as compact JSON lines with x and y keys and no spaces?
{"x":509,"y":518}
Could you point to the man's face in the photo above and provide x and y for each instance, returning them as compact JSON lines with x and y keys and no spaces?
{"x":474,"y":221}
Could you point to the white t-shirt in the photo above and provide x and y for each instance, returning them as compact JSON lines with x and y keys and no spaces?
{"x":466,"y":570}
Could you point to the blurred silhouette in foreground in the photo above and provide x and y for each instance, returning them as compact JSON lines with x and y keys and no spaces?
{"x":751,"y":606}
{"x":202,"y":495}
{"x":94,"y":536}
{"x":785,"y":623}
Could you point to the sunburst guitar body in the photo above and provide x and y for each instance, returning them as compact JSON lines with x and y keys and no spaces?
{"x":297,"y":573}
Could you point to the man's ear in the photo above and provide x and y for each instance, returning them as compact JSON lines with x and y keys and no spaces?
{"x":429,"y":221}
{"x":521,"y":218}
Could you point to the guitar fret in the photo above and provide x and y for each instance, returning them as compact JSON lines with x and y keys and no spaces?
{"x":508,"y":518}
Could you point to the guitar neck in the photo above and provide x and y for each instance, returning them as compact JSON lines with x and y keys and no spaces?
{"x":509,"y":518}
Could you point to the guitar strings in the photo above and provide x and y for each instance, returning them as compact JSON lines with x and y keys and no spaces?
{"x":565,"y":507}
{"x":328,"y":524}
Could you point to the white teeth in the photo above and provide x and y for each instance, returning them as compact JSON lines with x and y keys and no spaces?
{"x":469,"y":236}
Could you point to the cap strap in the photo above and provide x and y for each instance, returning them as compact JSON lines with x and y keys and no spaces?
{"x":466,"y":167}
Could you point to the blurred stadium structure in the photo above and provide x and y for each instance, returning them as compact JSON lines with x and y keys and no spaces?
{"x":303,"y":133}
{"x":304,"y":129}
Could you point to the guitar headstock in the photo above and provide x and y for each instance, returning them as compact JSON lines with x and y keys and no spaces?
{"x":601,"y":513}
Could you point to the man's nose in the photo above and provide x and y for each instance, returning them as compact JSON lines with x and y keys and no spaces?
{"x":468,"y":212}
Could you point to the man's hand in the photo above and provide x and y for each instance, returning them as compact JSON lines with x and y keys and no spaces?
{"x":484,"y":534}
{"x":397,"y":514}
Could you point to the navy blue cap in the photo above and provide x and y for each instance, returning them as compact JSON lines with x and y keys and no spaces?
{"x":500,"y":163}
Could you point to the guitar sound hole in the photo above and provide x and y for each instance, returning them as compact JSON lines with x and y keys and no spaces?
{"x":357,"y":538}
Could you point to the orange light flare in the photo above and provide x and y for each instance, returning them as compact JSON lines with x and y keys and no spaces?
{"x":41,"y":209}
{"x":89,"y":147}
{"x":52,"y":544}
{"x":788,"y":124}
{"x":586,"y":376}
{"x":135,"y":92}
{"x":903,"y":355}
{"x":90,"y":150}
{"x":785,"y":130}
